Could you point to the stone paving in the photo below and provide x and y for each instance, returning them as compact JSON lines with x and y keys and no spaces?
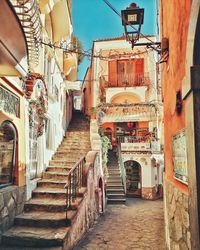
{"x":137,"y":225}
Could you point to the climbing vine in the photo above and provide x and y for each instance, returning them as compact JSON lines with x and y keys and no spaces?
{"x":106,"y":145}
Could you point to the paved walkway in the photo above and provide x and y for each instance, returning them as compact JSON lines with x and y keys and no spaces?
{"x":138,"y":225}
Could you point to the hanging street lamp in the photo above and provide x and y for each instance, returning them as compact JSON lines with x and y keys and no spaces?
{"x":132,"y":20}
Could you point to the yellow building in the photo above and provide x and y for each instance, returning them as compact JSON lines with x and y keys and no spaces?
{"x":35,"y":94}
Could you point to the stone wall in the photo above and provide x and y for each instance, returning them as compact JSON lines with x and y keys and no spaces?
{"x":149,"y":193}
{"x":88,"y":210}
{"x":12,"y":201}
{"x":176,"y":218}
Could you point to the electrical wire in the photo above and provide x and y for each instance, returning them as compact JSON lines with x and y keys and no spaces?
{"x":89,"y":54}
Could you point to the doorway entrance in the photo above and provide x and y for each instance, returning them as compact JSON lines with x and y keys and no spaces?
{"x":133,"y":178}
{"x":8,"y":153}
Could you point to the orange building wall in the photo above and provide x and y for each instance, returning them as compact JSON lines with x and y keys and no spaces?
{"x":86,"y":101}
{"x":174,"y":26}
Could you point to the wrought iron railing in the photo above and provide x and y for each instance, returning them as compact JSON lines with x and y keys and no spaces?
{"x":29,"y":16}
{"x":132,"y":139}
{"x":122,"y":168}
{"x":74,"y":183}
{"x":126,"y":80}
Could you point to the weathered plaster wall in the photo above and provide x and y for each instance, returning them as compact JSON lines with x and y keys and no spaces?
{"x":12,"y":201}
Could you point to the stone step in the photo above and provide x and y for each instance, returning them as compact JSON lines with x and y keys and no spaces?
{"x":114,"y":186}
{"x":116,"y":196}
{"x":60,"y":169}
{"x":51,"y":183}
{"x":53,"y":193}
{"x":116,"y":201}
{"x":66,"y":157}
{"x":114,"y":183}
{"x":61,"y":163}
{"x":114,"y":190}
{"x":48,"y":192}
{"x":35,"y":237}
{"x":45,"y":219}
{"x":55,"y":175}
{"x":115,"y":179}
{"x":49,"y":205}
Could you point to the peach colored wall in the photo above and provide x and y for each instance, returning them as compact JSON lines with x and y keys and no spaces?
{"x":174,"y":26}
{"x":86,"y":101}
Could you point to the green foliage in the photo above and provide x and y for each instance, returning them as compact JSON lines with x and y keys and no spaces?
{"x":78,"y":45}
{"x":106,"y":145}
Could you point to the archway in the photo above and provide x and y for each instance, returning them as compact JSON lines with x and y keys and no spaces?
{"x":8,"y":153}
{"x":133,"y":178}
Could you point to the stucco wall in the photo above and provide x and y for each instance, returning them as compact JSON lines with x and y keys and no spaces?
{"x":174,"y":26}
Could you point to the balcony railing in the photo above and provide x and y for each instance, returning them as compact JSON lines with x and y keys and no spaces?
{"x":29,"y":16}
{"x":126,"y":80}
{"x":138,"y":143}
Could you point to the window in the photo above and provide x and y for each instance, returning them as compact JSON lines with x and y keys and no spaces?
{"x":126,"y":72}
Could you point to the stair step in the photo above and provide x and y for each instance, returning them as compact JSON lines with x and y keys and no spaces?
{"x":116,"y":201}
{"x":49,"y":205}
{"x":35,"y":237}
{"x":114,"y":190}
{"x":51,"y":183}
{"x":57,"y":193}
{"x":61,"y":169}
{"x":44,"y":219}
{"x":55,"y":175}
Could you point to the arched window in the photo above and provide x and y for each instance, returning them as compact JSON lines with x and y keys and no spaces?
{"x":8,"y":141}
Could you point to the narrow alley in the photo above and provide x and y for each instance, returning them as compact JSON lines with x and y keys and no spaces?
{"x":137,"y":225}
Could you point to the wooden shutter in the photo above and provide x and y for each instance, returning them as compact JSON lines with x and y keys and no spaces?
{"x":112,"y":74}
{"x":139,"y":66}
{"x":139,"y":71}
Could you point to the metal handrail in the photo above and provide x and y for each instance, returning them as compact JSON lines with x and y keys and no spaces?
{"x":122,"y":168}
{"x":74,"y":182}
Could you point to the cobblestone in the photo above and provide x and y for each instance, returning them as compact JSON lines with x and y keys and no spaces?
{"x":137,"y":225}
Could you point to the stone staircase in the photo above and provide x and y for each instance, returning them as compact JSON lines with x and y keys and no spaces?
{"x":114,"y":188}
{"x":43,"y":222}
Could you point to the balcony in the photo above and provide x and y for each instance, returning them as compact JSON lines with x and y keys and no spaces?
{"x":126,"y":80}
{"x":136,"y":144}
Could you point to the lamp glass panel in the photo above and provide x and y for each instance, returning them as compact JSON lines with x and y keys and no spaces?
{"x":132,"y":18}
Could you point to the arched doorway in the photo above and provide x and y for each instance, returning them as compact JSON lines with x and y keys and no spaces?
{"x":133,"y":178}
{"x":8,"y":153}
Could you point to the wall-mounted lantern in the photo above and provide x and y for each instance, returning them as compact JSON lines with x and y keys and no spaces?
{"x":132,"y":20}
{"x":132,"y":15}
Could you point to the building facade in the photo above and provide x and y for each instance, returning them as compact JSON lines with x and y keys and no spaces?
{"x":180,"y":80}
{"x":126,"y":101}
{"x":36,"y":94}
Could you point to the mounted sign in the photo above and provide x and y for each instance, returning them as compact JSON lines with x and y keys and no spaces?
{"x":180,"y":157}
{"x":135,"y":146}
{"x":9,"y":102}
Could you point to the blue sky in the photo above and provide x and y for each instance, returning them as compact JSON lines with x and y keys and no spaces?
{"x":93,"y":19}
